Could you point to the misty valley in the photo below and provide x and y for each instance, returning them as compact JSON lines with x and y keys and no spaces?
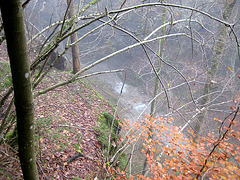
{"x":130,"y":89}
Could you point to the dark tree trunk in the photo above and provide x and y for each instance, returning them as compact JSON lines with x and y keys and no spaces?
{"x":17,"y":49}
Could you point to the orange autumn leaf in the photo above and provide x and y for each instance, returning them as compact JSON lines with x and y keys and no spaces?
{"x":235,"y":101}
{"x":232,"y":108}
{"x":215,"y":119}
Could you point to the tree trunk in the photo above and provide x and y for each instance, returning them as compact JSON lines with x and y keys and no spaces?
{"x":160,"y":54}
{"x":156,"y":86}
{"x":236,"y":67}
{"x":217,"y":54}
{"x":74,"y":37}
{"x":17,"y":49}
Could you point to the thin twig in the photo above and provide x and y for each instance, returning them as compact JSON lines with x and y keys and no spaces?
{"x":101,"y":60}
{"x":150,"y":62}
{"x":6,"y":95}
{"x":168,"y":64}
{"x":220,"y":139}
{"x":176,"y":6}
{"x":101,"y":72}
{"x":25,"y":3}
{"x":64,"y":18}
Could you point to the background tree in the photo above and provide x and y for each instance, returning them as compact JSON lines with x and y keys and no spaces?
{"x":153,"y":109}
{"x":183,"y":69}
{"x":20,"y":67}
{"x":74,"y":38}
{"x":214,"y":62}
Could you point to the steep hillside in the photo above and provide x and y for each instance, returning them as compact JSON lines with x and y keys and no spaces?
{"x":66,"y":143}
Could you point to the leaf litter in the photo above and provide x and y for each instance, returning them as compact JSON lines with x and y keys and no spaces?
{"x":65,"y":119}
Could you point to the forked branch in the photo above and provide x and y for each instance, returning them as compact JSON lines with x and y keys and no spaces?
{"x":220,"y":139}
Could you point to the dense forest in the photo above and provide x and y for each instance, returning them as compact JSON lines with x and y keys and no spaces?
{"x":129,"y":89}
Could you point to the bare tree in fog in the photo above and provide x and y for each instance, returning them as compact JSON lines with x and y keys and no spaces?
{"x":180,"y":71}
{"x":214,"y":63}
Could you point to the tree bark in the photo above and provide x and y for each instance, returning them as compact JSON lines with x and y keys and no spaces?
{"x":212,"y":70}
{"x":17,"y":50}
{"x":74,"y":37}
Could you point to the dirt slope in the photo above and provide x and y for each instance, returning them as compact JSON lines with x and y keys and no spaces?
{"x":65,"y":121}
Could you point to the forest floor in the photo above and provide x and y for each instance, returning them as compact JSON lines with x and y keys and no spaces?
{"x":65,"y":122}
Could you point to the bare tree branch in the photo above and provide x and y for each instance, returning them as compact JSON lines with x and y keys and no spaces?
{"x":219,"y":140}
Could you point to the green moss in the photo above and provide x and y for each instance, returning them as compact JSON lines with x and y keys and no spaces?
{"x":11,"y":138}
{"x":93,"y":2}
{"x":109,"y":121}
{"x":104,"y":130}
{"x":105,"y":121}
{"x":5,"y":75}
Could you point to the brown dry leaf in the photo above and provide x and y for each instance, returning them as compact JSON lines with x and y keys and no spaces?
{"x":64,"y":107}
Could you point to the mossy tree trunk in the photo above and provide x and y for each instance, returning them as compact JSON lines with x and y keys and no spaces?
{"x":236,"y":68}
{"x":160,"y":54}
{"x":17,"y":50}
{"x":74,"y":38}
{"x":213,"y":67}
